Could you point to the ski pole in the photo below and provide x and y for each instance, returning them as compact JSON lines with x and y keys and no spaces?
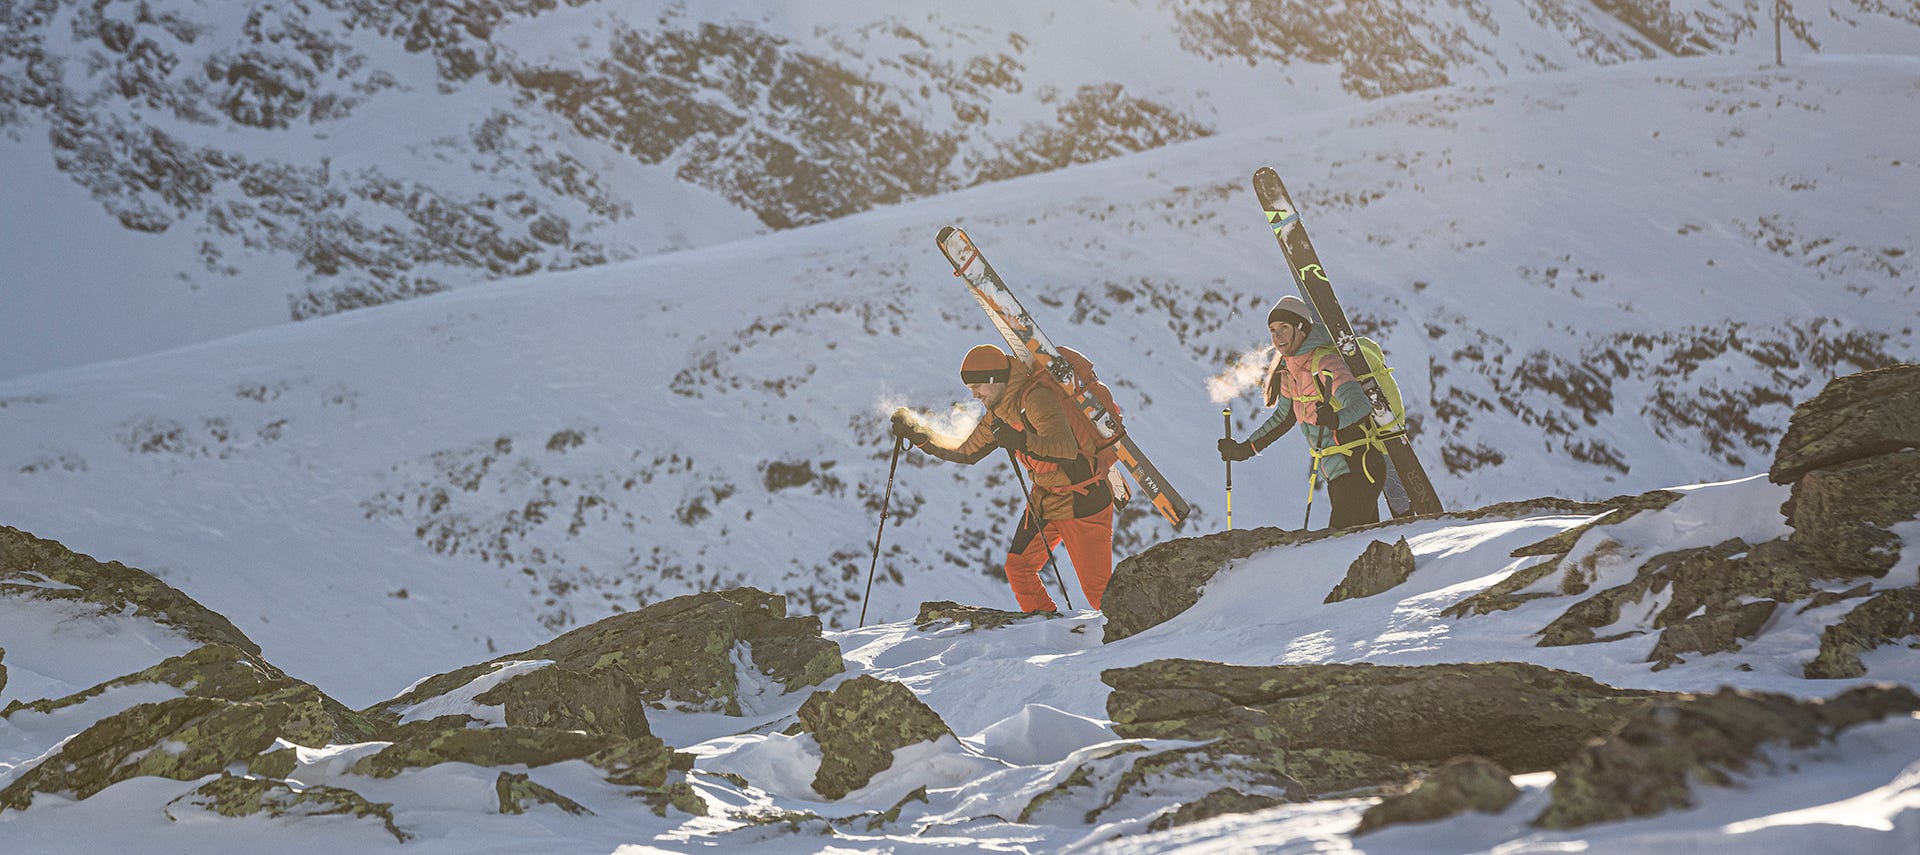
{"x":1313,"y":472}
{"x":1040,"y":526}
{"x":1226,"y":416}
{"x":885,"y":500}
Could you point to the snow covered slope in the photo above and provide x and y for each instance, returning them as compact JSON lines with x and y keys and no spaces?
{"x":1590,"y":284}
{"x":181,"y":170}
{"x":1029,"y":712}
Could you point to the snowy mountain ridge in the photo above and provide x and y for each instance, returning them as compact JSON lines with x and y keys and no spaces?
{"x":182,"y":172}
{"x":518,"y":458}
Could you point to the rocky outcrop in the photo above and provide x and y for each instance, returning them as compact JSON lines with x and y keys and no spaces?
{"x":1887,"y":618}
{"x":858,"y":727}
{"x":1857,"y":416}
{"x":516,"y":791}
{"x":635,"y":762}
{"x":1381,"y":567}
{"x":29,"y":564}
{"x":1850,"y":454}
{"x":181,"y":739}
{"x":228,"y":673}
{"x":679,"y":651}
{"x":1716,"y":631}
{"x":233,"y":796}
{"x":557,"y":698}
{"x":976,"y":617}
{"x":1469,"y":783}
{"x":1338,"y":727}
{"x":1152,"y":587}
{"x":1220,"y":802}
{"x":1648,"y":766}
{"x":1621,"y":509}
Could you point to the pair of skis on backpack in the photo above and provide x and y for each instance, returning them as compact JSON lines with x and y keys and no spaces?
{"x":1025,"y":339}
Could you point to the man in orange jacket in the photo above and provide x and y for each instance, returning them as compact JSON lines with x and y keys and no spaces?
{"x":1070,"y":502}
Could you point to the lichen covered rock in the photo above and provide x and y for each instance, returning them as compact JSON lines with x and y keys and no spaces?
{"x":1888,"y":617}
{"x":976,"y":617}
{"x":1846,"y":512}
{"x":559,"y":698}
{"x":640,"y":762}
{"x":1220,"y":802}
{"x":1468,"y":783}
{"x":1335,"y":727}
{"x":858,"y":727}
{"x":1857,"y":416}
{"x":230,"y":673}
{"x":516,"y":791}
{"x":680,"y":651}
{"x":1151,"y":587}
{"x":28,"y":562}
{"x":233,"y":796}
{"x":181,"y":739}
{"x":1648,"y":765}
{"x":1381,"y":567}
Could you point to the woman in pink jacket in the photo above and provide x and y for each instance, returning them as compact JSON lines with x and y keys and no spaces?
{"x":1330,"y":408}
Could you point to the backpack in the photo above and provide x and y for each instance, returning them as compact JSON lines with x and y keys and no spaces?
{"x":1074,"y":372}
{"x":1372,"y":434}
{"x":1377,"y":369}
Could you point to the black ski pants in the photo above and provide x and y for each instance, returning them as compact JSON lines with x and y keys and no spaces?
{"x":1356,"y":500}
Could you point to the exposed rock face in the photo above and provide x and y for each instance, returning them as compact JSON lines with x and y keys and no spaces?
{"x":1469,"y":783}
{"x":1623,"y":508}
{"x":1379,"y":568}
{"x":233,"y":796}
{"x":1151,"y":587}
{"x":181,"y":739}
{"x":1888,"y":617}
{"x":1645,"y":767}
{"x":859,"y":725}
{"x":1343,"y":726}
{"x":977,"y":617}
{"x":1703,"y":577}
{"x":1716,"y":631}
{"x":1857,"y":416}
{"x":229,"y":673}
{"x":27,"y":563}
{"x":1220,"y":802}
{"x":1850,"y":455}
{"x":607,"y":702}
{"x":680,"y":650}
{"x":516,"y":791}
{"x":1844,"y":511}
{"x":639,"y":762}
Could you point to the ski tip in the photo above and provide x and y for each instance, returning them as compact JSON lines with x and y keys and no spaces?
{"x":941,"y":238}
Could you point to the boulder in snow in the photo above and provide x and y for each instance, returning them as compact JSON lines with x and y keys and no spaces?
{"x":1468,"y":783}
{"x":1889,"y":616}
{"x":1338,"y":727}
{"x":1648,"y":765}
{"x":682,"y":650}
{"x":859,"y":725}
{"x":1382,"y":566}
{"x":229,"y":795}
{"x":1857,"y":416}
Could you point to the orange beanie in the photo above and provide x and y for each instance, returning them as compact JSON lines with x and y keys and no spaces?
{"x":985,"y":364}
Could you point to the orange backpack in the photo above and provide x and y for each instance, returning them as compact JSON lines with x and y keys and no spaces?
{"x":1082,"y":379}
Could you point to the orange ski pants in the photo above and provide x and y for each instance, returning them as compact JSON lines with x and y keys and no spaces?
{"x":1089,"y":543}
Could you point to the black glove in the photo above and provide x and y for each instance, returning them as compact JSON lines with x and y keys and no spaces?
{"x":1233,"y":451}
{"x":906,"y":428}
{"x":1325,"y":416}
{"x":1007,"y":437}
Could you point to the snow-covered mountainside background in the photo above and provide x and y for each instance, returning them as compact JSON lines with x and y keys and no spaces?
{"x":404,"y":335}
